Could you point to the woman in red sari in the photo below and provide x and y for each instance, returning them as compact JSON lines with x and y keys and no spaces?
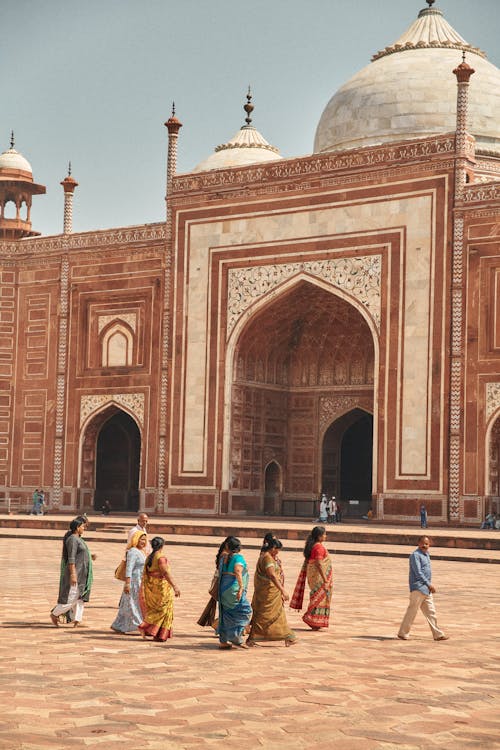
{"x":317,"y":570}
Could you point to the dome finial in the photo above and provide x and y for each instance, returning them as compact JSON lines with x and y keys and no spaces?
{"x":69,"y":169}
{"x":430,"y":3}
{"x":12,"y":139}
{"x":248,"y":107}
{"x":173,"y":109}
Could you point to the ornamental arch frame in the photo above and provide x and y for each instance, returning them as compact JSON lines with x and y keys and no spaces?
{"x":258,"y":306}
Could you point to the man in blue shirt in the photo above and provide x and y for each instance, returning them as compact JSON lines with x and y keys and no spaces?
{"x":421,"y":591}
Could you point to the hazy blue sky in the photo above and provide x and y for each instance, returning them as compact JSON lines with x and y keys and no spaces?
{"x":93,"y":81}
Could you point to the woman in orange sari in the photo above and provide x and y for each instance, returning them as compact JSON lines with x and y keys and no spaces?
{"x":317,"y":569}
{"x":157,"y":594}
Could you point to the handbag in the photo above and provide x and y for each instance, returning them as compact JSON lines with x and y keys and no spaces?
{"x":214,"y":586}
{"x":120,"y":571}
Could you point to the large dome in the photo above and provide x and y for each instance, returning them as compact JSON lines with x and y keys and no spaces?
{"x":409,"y":91}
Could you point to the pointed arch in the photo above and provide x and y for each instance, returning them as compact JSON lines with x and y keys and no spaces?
{"x":307,"y":358}
{"x":117,"y":345}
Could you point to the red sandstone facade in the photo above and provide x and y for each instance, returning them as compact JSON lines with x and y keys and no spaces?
{"x":219,"y":370}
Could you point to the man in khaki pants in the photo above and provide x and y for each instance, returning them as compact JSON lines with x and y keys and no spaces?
{"x":421,"y":591}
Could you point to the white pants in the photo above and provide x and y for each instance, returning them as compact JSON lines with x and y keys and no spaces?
{"x":424,"y":602}
{"x":74,"y":603}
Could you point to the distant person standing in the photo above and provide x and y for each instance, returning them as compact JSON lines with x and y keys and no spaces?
{"x":323,"y":509}
{"x":421,"y":591}
{"x":338,"y":515}
{"x":34,"y":506}
{"x":141,"y":525}
{"x":41,"y":503}
{"x":423,"y":516}
{"x":332,"y":510}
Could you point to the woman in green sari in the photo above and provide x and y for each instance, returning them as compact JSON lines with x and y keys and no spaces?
{"x":76,"y":575}
{"x":269,"y":621}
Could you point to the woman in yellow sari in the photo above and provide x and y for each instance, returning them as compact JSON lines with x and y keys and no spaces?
{"x":269,"y":621}
{"x":317,"y":569}
{"x":157,"y":594}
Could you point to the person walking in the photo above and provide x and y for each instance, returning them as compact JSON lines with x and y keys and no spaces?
{"x":269,"y":621}
{"x":423,"y":516}
{"x":235,"y":611}
{"x":421,"y":591}
{"x":76,"y":579}
{"x":157,"y":591}
{"x":141,"y":525}
{"x":129,"y":615}
{"x":317,"y":570}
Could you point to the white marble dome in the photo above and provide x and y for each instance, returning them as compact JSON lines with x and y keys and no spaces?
{"x":248,"y":146}
{"x":409,"y":91}
{"x":12,"y":159}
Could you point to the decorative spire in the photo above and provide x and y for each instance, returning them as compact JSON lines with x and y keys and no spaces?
{"x":463,"y":71}
{"x":248,"y":107}
{"x":173,"y":125}
{"x":68,"y":184}
{"x":12,"y":139}
{"x":430,"y":30}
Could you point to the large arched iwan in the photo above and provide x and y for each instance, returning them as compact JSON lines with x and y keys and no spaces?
{"x":297,"y":362}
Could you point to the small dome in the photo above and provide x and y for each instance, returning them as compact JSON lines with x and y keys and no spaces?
{"x":409,"y":91}
{"x":247,"y":147}
{"x":12,"y":159}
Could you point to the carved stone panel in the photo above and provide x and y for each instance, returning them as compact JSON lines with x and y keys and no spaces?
{"x":133,"y":402}
{"x":360,"y":277}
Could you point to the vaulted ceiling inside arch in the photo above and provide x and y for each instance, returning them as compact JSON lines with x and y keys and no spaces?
{"x":308,"y":337}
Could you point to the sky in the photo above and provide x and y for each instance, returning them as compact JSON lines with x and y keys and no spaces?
{"x":92,"y":82}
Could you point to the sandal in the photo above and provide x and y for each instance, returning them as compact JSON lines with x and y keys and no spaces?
{"x":55,"y":620}
{"x":225,"y":646}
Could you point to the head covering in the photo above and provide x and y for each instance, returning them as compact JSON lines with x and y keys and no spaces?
{"x":135,"y":538}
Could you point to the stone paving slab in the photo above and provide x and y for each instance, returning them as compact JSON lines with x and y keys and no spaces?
{"x":352,"y":687}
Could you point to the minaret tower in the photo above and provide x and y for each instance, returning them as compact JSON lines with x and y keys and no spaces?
{"x":463,"y":72}
{"x":173,"y":126}
{"x":16,"y":191}
{"x":464,"y":156}
{"x":69,"y":184}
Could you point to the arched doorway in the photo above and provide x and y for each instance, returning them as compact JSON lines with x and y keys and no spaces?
{"x":272,"y":488}
{"x":347,"y":465}
{"x":306,"y":350}
{"x":492,"y":499}
{"x":117,"y":464}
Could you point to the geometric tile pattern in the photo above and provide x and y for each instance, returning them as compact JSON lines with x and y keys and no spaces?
{"x":350,"y":687}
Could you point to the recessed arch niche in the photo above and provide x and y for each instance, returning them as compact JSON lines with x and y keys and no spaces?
{"x":304,"y":345}
{"x":111,"y":459}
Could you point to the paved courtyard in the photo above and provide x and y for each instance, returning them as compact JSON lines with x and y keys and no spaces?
{"x":353,"y":687}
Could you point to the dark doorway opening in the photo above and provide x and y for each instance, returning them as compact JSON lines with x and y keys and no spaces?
{"x":118,"y":463}
{"x":272,"y":488}
{"x":348,"y":462}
